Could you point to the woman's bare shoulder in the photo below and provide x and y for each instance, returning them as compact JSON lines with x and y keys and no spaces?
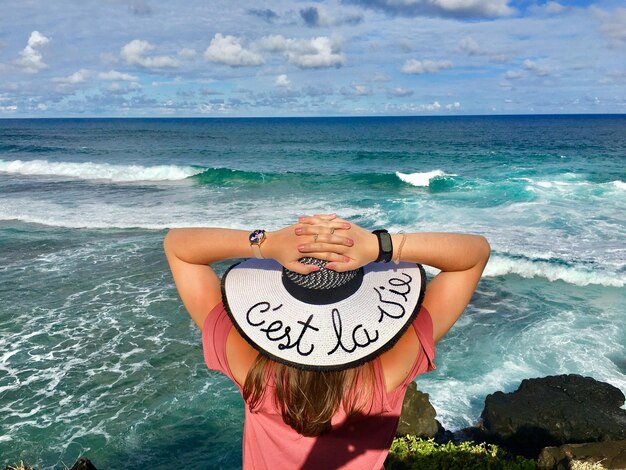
{"x":398,"y":361}
{"x":240,"y":356}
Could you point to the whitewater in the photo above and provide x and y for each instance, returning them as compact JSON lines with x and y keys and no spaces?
{"x":97,"y":354}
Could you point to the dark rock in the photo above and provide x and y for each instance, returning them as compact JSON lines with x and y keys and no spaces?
{"x":472,"y":433}
{"x":443,"y":436}
{"x":552,"y":411}
{"x":83,"y":464}
{"x":610,"y":454}
{"x":418,"y":415}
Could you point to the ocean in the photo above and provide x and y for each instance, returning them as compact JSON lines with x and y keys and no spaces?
{"x":98,"y":357}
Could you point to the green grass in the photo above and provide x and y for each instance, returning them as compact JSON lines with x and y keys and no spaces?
{"x":409,"y":452}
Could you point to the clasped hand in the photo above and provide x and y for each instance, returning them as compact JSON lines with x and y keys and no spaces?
{"x":344,"y":245}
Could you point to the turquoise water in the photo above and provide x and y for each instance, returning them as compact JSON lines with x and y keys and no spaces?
{"x":97,"y":356}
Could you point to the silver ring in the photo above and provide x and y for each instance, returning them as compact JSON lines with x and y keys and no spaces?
{"x":314,"y":238}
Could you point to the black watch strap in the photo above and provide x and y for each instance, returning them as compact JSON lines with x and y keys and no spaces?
{"x":385,"y":247}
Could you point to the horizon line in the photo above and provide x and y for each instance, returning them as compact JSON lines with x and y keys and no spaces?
{"x":363,"y":116}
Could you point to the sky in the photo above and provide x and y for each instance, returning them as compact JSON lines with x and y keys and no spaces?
{"x":214,"y":58}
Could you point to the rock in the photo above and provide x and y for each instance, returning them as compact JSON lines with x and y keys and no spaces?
{"x":418,"y":415}
{"x":552,"y":411}
{"x":83,"y":464}
{"x":611,"y":454}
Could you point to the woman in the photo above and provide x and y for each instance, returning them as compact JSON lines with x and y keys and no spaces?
{"x":315,"y":329}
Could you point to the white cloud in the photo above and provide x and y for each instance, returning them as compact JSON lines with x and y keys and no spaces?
{"x":613,"y":24}
{"x":283,"y":81}
{"x":400,"y":92}
{"x":114,"y":88}
{"x":210,"y":108}
{"x":134,"y":53}
{"x":535,"y":68}
{"x":381,"y":77}
{"x":434,"y":106}
{"x":548,"y":8}
{"x":446,"y":8}
{"x":75,"y":78}
{"x":228,"y":50}
{"x":513,"y":75}
{"x":356,"y":89}
{"x":114,"y":75}
{"x":31,"y":59}
{"x":187,"y":53}
{"x":554,"y":7}
{"x":319,"y":52}
{"x":6,"y":107}
{"x":416,"y":67}
{"x":109,"y":58}
{"x":469,"y":46}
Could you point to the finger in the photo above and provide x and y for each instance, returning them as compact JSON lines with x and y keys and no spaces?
{"x":334,"y":224}
{"x":308,"y":219}
{"x":329,"y":256}
{"x":339,"y":240}
{"x":322,"y":247}
{"x":342,"y":266}
{"x":317,"y":229}
{"x":334,"y":240}
{"x":301,"y":268}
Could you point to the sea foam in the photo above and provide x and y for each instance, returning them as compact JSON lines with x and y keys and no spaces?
{"x":501,"y":266}
{"x":99,"y":171}
{"x":420,"y":179}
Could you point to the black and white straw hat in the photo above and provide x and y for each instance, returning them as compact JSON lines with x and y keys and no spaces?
{"x":324,"y":320}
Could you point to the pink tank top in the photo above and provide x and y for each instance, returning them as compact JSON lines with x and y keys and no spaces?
{"x":362,"y":442}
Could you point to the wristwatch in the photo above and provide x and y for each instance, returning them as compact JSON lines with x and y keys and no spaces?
{"x":385,"y":247}
{"x":257,"y":237}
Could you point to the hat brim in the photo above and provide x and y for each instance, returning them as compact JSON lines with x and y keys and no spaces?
{"x":333,"y":336}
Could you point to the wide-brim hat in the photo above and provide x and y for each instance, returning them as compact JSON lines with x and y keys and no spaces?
{"x":324,"y":320}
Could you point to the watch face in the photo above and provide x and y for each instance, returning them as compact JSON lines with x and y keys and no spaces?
{"x":385,"y":243}
{"x":257,"y":237}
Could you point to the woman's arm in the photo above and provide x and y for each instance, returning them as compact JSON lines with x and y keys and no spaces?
{"x":189,"y":252}
{"x":460,"y":257}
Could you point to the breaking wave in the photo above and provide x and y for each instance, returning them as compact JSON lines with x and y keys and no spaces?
{"x":552,"y":270}
{"x":423,"y":179}
{"x":99,"y":171}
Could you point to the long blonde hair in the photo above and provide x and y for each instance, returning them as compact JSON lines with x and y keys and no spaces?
{"x":308,"y":400}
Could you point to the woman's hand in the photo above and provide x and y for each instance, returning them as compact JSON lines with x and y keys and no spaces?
{"x":283,"y":246}
{"x":362,"y":250}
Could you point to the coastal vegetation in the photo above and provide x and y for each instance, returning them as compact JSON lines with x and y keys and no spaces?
{"x":409,"y":452}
